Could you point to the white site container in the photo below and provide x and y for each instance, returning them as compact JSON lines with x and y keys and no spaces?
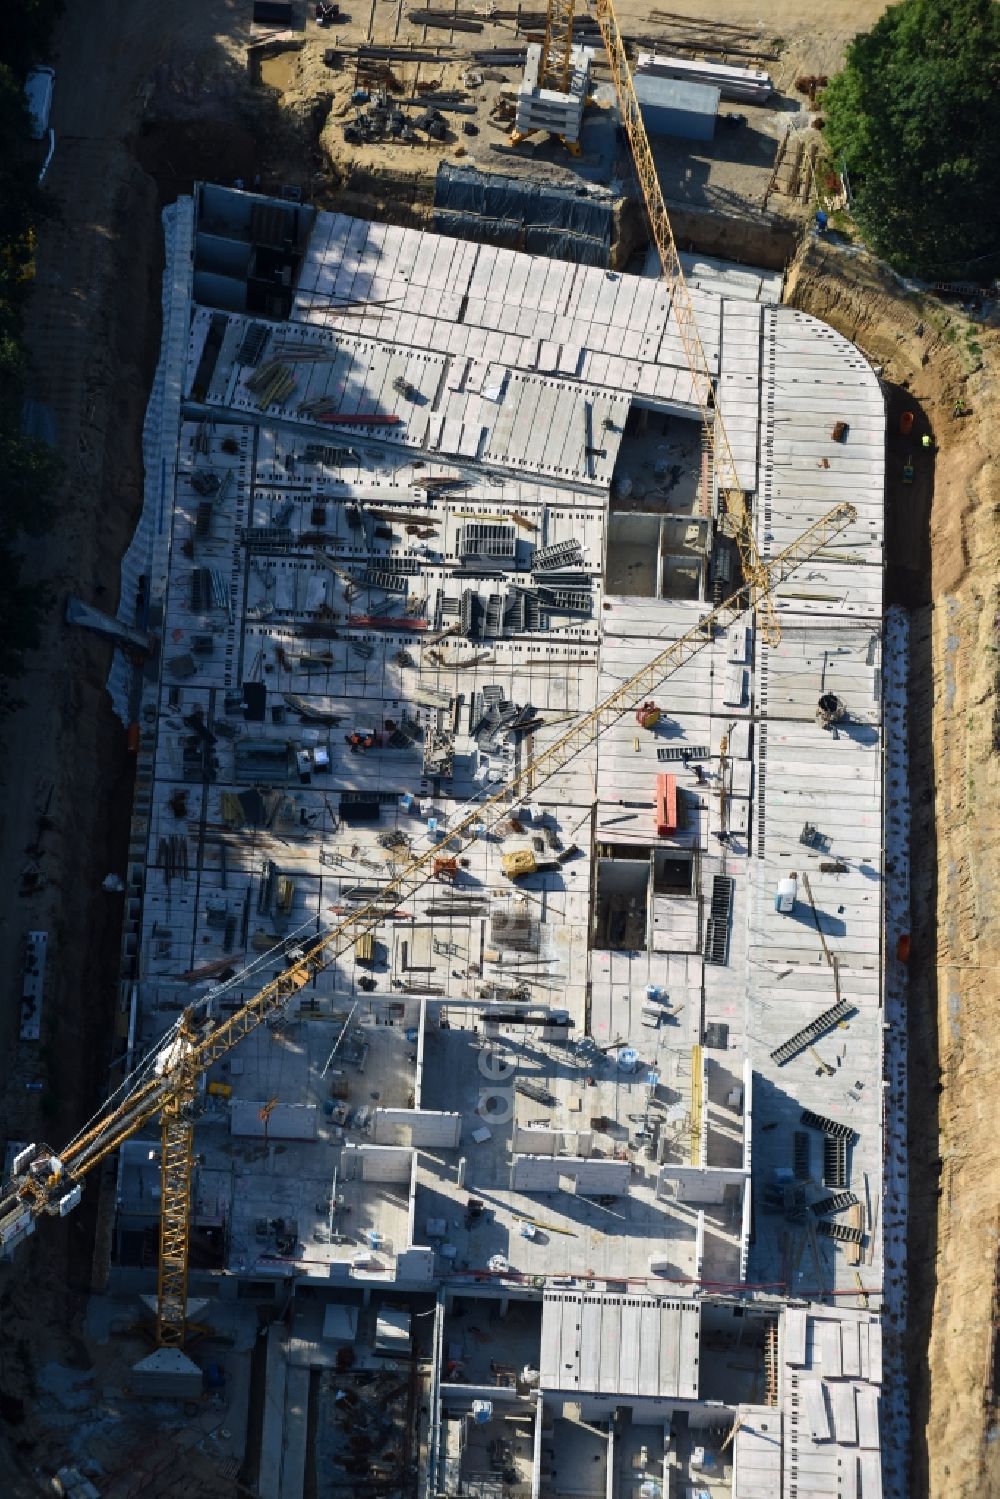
{"x":786,"y":894}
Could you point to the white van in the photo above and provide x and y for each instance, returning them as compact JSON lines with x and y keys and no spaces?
{"x":38,"y":89}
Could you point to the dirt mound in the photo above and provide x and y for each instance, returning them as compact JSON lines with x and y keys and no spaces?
{"x":943,"y":555}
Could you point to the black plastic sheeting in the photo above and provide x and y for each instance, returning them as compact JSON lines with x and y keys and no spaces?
{"x":524,"y":215}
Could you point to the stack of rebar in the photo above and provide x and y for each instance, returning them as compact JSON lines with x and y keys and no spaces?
{"x":501,"y":57}
{"x":448,"y":20}
{"x":172,"y":856}
{"x":316,"y":407}
{"x":718,"y":38}
{"x":290,"y":353}
{"x":272,"y":384}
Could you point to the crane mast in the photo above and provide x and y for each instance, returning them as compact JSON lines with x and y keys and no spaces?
{"x":43,"y":1182}
{"x":740,"y":521}
{"x":557,"y":48}
{"x":555,"y":63}
{"x":176,"y":1155}
{"x":554,"y":73}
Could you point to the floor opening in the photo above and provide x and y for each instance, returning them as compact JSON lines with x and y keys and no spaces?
{"x":622,"y":900}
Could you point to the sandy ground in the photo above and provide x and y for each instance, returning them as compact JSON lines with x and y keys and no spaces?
{"x":944,"y":555}
{"x":732,"y":173}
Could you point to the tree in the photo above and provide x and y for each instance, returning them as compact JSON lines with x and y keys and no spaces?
{"x":29,"y":469}
{"x":26,"y":34}
{"x":22,"y":609}
{"x":914,"y":117}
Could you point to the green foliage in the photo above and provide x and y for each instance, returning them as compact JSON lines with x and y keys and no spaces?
{"x":26,"y":33}
{"x":22,"y":608}
{"x":22,"y":202}
{"x":31,"y":470}
{"x":915,"y":118}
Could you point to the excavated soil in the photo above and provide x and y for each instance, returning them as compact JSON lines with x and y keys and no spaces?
{"x":943,"y":549}
{"x":729,"y":180}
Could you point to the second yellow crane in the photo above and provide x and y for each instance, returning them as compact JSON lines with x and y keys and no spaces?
{"x":554,"y":73}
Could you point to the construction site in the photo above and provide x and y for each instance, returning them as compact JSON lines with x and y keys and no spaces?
{"x":510,"y":1017}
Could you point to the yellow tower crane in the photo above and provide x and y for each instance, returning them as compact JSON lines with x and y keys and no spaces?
{"x":558,"y":46}
{"x":166,"y":1084}
{"x":554,"y":73}
{"x":556,"y":60}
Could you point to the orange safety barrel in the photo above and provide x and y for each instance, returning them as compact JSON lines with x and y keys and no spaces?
{"x":666,"y":805}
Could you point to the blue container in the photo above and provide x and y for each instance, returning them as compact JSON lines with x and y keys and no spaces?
{"x":669,"y":106}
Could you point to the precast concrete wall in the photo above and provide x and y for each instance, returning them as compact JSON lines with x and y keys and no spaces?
{"x":427,"y":1128}
{"x":535,"y":1173}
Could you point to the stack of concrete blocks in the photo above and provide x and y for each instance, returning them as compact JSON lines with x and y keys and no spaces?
{"x":548,"y":109}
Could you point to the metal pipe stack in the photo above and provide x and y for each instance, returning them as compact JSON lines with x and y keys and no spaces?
{"x":749,"y":85}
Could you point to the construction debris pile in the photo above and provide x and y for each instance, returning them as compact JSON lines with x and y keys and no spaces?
{"x":560,"y":586}
{"x":365,"y":1428}
{"x":382,"y":119}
